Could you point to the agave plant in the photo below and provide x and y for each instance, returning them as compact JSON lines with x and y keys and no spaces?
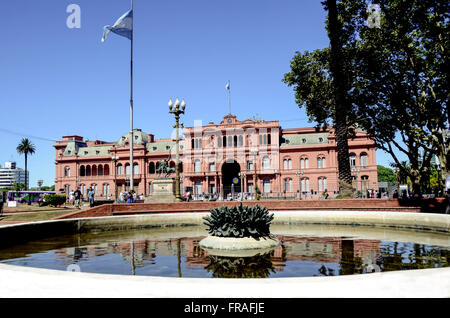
{"x":239,"y":221}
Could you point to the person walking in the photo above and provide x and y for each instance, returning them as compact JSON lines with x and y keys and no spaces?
{"x":91,"y":194}
{"x":77,"y":198}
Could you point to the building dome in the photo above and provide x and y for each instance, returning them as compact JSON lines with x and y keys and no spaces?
{"x":140,"y":138}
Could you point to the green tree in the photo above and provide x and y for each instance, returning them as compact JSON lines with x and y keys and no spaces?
{"x":394,"y":77}
{"x":322,"y":81}
{"x":26,"y":147}
{"x":386,"y":175}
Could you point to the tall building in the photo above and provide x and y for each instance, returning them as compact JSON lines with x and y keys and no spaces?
{"x":11,"y":175}
{"x":228,"y":157}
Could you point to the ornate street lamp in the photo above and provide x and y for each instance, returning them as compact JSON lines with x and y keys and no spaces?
{"x":115,"y":159}
{"x":177,"y":112}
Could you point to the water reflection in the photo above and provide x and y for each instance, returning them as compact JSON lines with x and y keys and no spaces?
{"x":142,"y":253}
{"x":258,"y":266}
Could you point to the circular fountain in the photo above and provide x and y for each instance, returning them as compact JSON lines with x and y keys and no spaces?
{"x":26,"y":271}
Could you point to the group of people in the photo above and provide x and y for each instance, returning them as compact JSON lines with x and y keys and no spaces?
{"x":127,"y":197}
{"x":76,"y":197}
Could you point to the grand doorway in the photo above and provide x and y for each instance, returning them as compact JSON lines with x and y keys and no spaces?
{"x":230,"y":172}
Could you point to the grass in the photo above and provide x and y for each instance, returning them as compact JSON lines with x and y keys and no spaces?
{"x":36,"y":216}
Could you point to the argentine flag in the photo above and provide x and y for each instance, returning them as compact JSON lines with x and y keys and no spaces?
{"x":123,"y":26}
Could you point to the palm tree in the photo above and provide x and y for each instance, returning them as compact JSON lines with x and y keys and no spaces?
{"x":26,"y":147}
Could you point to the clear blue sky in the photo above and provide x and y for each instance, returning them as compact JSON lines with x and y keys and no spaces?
{"x":59,"y":81}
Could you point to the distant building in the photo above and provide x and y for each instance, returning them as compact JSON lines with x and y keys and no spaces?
{"x":11,"y":175}
{"x":224,"y":158}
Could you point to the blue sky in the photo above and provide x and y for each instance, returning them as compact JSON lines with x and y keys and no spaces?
{"x":59,"y":81}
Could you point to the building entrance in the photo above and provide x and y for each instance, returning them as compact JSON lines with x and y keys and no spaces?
{"x":230,"y":171}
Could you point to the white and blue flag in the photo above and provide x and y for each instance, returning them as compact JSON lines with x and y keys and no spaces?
{"x":123,"y":26}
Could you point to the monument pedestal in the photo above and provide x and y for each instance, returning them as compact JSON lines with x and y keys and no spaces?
{"x":163,"y":191}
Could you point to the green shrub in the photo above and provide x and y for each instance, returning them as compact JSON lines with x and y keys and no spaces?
{"x":55,"y":199}
{"x":239,"y":221}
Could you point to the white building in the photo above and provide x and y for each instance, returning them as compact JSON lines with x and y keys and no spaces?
{"x":11,"y":175}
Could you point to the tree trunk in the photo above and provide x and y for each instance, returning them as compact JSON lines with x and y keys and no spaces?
{"x":341,"y":107}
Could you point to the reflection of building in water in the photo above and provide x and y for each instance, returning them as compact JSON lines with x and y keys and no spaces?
{"x":293,"y":248}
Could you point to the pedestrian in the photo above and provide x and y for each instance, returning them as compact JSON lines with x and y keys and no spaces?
{"x":77,"y":198}
{"x":91,"y":194}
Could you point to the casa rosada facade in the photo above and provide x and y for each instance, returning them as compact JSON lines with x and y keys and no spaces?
{"x":224,"y":159}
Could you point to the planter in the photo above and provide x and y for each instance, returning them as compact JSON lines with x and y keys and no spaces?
{"x":238,"y":247}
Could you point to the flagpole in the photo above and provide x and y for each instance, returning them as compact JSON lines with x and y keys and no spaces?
{"x":131,"y":105}
{"x":229,"y":97}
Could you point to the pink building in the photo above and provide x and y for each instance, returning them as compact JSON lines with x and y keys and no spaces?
{"x":224,"y":158}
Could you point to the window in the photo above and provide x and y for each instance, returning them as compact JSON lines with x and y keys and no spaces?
{"x":196,"y":143}
{"x":266,"y":185}
{"x":304,"y":141}
{"x":136,"y":169}
{"x":151,"y":168}
{"x":82,"y":171}
{"x":119,"y":169}
{"x":88,"y":171}
{"x":197,"y":187}
{"x":241,"y":141}
{"x":106,"y":190}
{"x":322,"y":184}
{"x":352,"y":160}
{"x":197,"y":166}
{"x":321,"y":162}
{"x":212,"y":167}
{"x":264,"y":139}
{"x":284,"y":164}
{"x":305,"y":185}
{"x":106,"y":170}
{"x":306,"y":163}
{"x":265,"y":163}
{"x":249,"y":165}
{"x":250,"y":188}
{"x":127,"y":169}
{"x":100,"y":170}
{"x":287,"y":164}
{"x":66,"y":172}
{"x":288,"y":185}
{"x":363,"y":158}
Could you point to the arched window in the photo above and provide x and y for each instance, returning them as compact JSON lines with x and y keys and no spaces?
{"x":319,"y":162}
{"x":197,"y":166}
{"x":136,"y":168}
{"x":306,"y":163}
{"x":106,"y":170}
{"x":88,"y":171}
{"x":302,"y":163}
{"x":363,"y":158}
{"x":151,"y":168}
{"x":66,"y":172}
{"x":127,"y":169}
{"x":324,"y":162}
{"x":305,"y":185}
{"x":106,"y":189}
{"x":285,"y":164}
{"x":352,"y":158}
{"x":322,"y":183}
{"x":94,"y":170}
{"x":119,"y":169}
{"x":82,"y":171}
{"x":100,"y":170}
{"x":288,"y":185}
{"x":265,"y":163}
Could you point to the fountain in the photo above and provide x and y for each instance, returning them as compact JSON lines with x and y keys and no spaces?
{"x":353,"y":254}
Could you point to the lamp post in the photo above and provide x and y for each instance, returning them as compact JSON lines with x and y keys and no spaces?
{"x":300,"y":173}
{"x":115,"y":159}
{"x":242,"y":176}
{"x":177,"y":112}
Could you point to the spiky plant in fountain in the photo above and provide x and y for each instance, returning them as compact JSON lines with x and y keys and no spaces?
{"x":239,"y":221}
